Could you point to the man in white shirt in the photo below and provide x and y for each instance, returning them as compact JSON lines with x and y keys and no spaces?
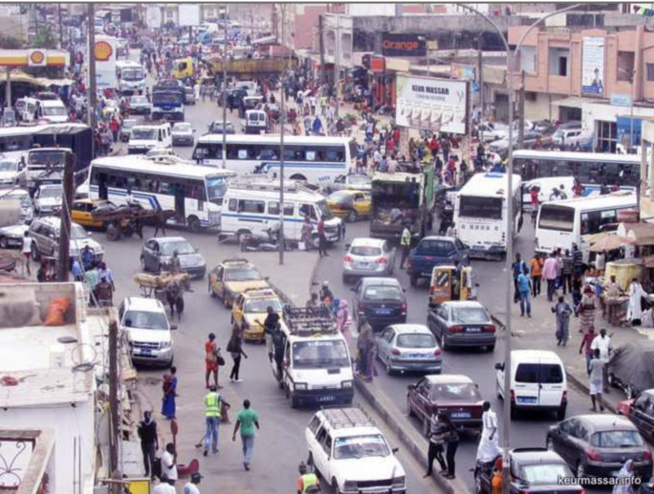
{"x":169,"y":463}
{"x":488,"y":449}
{"x":165,"y":486}
{"x":191,"y":486}
{"x":603,"y":343}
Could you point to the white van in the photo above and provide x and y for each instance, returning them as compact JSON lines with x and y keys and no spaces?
{"x":317,"y":368}
{"x":251,"y":206}
{"x":538,"y":382}
{"x":148,"y":330}
{"x":54,"y":111}
{"x":256,"y":122}
{"x":143,"y":138}
{"x":250,"y":86}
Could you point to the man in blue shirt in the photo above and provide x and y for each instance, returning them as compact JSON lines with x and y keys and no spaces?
{"x":87,"y":257}
{"x":524,"y":287}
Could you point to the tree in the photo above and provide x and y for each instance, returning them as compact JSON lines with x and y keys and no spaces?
{"x":46,"y":39}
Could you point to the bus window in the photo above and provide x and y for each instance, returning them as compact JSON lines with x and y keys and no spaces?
{"x":233,"y":205}
{"x":268,"y":153}
{"x":273,"y":208}
{"x":335,"y":154}
{"x":556,"y":218}
{"x":249,"y":206}
{"x":311,"y":156}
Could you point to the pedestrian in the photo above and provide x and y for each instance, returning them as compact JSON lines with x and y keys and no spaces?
{"x":342,"y":320}
{"x":277,"y":343}
{"x":596,"y":381}
{"x":635,"y":308}
{"x":269,"y":325}
{"x":451,"y":230}
{"x":211,"y":361}
{"x":436,"y":441}
{"x":626,"y":478}
{"x":76,"y":270}
{"x":563,"y":310}
{"x":104,"y":271}
{"x":166,"y":486}
{"x":87,"y":258}
{"x":405,"y":244}
{"x":587,"y":309}
{"x":307,"y":230}
{"x":488,"y":448}
{"x":213,"y":404}
{"x":536,"y":265}
{"x":577,"y":260}
{"x":549,"y":273}
{"x":603,"y":343}
{"x":322,"y":239}
{"x":169,"y":394}
{"x":247,"y":419}
{"x":600,"y":263}
{"x":566,"y":272}
{"x":452,"y":442}
{"x":518,"y":268}
{"x":235,"y":348}
{"x":169,"y":464}
{"x":191,"y":485}
{"x":104,"y":293}
{"x":26,"y":250}
{"x":147,"y":432}
{"x":612,"y":292}
{"x":524,"y":287}
{"x":586,"y":343}
{"x":365,"y":343}
{"x":307,"y":483}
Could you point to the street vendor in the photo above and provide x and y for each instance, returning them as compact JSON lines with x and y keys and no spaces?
{"x":611,"y":300}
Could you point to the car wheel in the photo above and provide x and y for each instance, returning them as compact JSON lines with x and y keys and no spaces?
{"x":35,"y":252}
{"x":490,"y":348}
{"x":413,"y":279}
{"x":4,"y":243}
{"x":580,"y":470}
{"x":388,"y":366}
{"x":351,"y":217}
{"x":144,"y":268}
{"x":560,"y":413}
{"x":194,"y":224}
{"x":335,"y":489}
{"x":409,"y":410}
{"x":549,"y":444}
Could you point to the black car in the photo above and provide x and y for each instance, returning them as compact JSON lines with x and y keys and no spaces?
{"x":599,"y":445}
{"x":641,"y":412}
{"x":380,"y":300}
{"x":532,"y":470}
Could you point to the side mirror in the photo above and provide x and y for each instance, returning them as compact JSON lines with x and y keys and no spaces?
{"x":347,"y":246}
{"x":411,"y":386}
{"x":173,"y":327}
{"x":499,"y":366}
{"x":395,"y":450}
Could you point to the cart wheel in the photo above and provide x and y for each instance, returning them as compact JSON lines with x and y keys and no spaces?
{"x":113,"y":233}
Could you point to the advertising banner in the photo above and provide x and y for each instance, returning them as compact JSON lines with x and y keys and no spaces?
{"x":439,"y":105}
{"x":153,"y":17}
{"x":105,"y":62}
{"x":189,"y":14}
{"x":592,"y":69}
{"x":403,"y":45}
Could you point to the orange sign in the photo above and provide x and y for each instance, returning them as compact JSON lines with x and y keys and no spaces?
{"x":103,"y":51}
{"x":37,"y":57}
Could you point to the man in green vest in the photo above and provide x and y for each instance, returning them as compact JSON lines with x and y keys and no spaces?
{"x":212,"y":409}
{"x":307,"y":482}
{"x":405,"y":244}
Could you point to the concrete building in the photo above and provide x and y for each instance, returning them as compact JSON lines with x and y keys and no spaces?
{"x":301,"y":28}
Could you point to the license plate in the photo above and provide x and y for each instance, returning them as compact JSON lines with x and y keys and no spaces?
{"x":383,"y":312}
{"x":473,"y":330}
{"x":145,"y":351}
{"x":526,"y":399}
{"x":460,"y":415}
{"x":326,"y":398}
{"x":417,"y":355}
{"x":364,"y":265}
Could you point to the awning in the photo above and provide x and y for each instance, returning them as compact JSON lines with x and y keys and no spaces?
{"x":574,"y":102}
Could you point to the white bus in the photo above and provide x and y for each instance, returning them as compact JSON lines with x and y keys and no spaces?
{"x":563,"y":223}
{"x":195,"y":192}
{"x":481,"y":211}
{"x":131,"y":76}
{"x":318,"y":160}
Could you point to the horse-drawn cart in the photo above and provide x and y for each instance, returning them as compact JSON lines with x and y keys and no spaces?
{"x":127,"y":220}
{"x":166,"y":287}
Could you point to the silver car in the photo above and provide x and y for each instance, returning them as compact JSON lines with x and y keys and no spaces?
{"x":182,"y":134}
{"x":408,"y":347}
{"x":368,"y":257}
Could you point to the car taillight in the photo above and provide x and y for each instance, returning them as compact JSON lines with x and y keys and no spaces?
{"x":347,"y":259}
{"x":647,"y":456}
{"x":456,"y":329}
{"x":403,"y":306}
{"x":382,"y":260}
{"x":564,"y":397}
{"x":438,"y":352}
{"x":395,"y":351}
{"x":593,"y":455}
{"x":489,"y":328}
{"x":512,"y":396}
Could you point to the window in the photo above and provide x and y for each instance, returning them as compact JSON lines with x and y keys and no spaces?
{"x":527,"y":373}
{"x":551,"y":374}
{"x":616,"y":439}
{"x":249,"y":206}
{"x":308,"y":210}
{"x":558,"y":61}
{"x":528,"y":59}
{"x":314,"y":424}
{"x":438,"y":248}
{"x":273,"y":208}
{"x":481,"y":207}
{"x":650,"y":72}
{"x":625,"y":65}
{"x":556,"y":218}
{"x":415,"y":340}
{"x":456,"y":392}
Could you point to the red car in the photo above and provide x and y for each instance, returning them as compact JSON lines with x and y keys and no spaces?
{"x":455,"y":394}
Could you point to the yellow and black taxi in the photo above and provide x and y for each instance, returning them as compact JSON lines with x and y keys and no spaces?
{"x":232,"y":277}
{"x":350,"y":205}
{"x":250,"y":310}
{"x":83,"y":210}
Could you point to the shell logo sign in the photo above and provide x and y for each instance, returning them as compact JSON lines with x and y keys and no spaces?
{"x":36,"y":58}
{"x":103,"y":51}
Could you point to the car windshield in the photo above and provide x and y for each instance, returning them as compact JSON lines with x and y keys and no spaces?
{"x":216,"y":188}
{"x":365,"y":250}
{"x":54,"y":111}
{"x":219,"y":126}
{"x":616,"y":439}
{"x":77,"y":232}
{"x":359,"y":180}
{"x":182,"y":127}
{"x":242,"y":274}
{"x":544,"y":474}
{"x":139,"y":100}
{"x":469,"y":315}
{"x":346,"y":448}
{"x":144,"y":134}
{"x":381,"y":292}
{"x":320,"y":353}
{"x":137,"y":319}
{"x":416,"y":341}
{"x":8,"y":166}
{"x":467,"y":392}
{"x":325,"y":212}
{"x":49,"y":192}
{"x":262,"y":304}
{"x":439,"y":248}
{"x":181,"y":246}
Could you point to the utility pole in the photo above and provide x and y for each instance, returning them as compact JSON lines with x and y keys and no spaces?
{"x":61,"y":30}
{"x":225,"y":93}
{"x":91,"y":87}
{"x":114,"y":413}
{"x":282,"y":117}
{"x":337,"y":62}
{"x":321,"y":45}
{"x":63,"y":262}
{"x":8,"y":89}
{"x":480,"y":78}
{"x":521,"y":110}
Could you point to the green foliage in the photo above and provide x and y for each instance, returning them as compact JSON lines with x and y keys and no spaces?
{"x":45,"y":38}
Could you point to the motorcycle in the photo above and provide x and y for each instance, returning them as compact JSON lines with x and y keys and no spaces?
{"x":269,"y":243}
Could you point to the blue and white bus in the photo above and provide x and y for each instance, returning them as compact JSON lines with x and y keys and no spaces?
{"x":317,"y":160}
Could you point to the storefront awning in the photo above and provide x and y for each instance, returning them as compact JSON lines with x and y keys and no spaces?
{"x":573,"y":102}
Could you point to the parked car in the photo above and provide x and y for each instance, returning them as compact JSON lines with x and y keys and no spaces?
{"x":640,"y":411}
{"x":368,"y":257}
{"x":455,"y":394}
{"x":490,"y":132}
{"x":139,"y":105}
{"x":12,"y":172}
{"x":599,"y":445}
{"x":47,"y":199}
{"x":463,"y":324}
{"x":572,"y":137}
{"x":157,"y":254}
{"x":530,"y":138}
{"x":232,"y":277}
{"x":544,"y":127}
{"x":126,"y":128}
{"x":432,"y":251}
{"x":354,"y":181}
{"x":45,"y":233}
{"x":408,"y":347}
{"x":629,"y":367}
{"x":189,"y":96}
{"x":220,"y":127}
{"x":380,"y":300}
{"x":534,"y":470}
{"x":350,"y":205}
{"x":182,"y":134}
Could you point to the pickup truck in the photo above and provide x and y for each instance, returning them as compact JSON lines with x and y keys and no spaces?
{"x":432,"y":251}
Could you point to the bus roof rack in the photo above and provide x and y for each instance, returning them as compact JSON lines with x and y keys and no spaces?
{"x":346,"y":417}
{"x":261,"y":182}
{"x":305,"y":321}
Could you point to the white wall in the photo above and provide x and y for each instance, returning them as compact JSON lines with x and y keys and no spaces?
{"x":607,"y":113}
{"x":361,"y":9}
{"x":67,"y":422}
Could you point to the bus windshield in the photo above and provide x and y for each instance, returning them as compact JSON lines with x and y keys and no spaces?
{"x":216,"y":188}
{"x":554,"y":217}
{"x":166,"y":98}
{"x":481,"y":207}
{"x":133,"y":74}
{"x":46,"y":158}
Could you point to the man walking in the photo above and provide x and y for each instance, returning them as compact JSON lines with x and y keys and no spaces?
{"x":550,"y":274}
{"x":605,"y":346}
{"x":536,"y":264}
{"x":147,"y":431}
{"x":212,"y":407}
{"x":596,"y":381}
{"x":586,"y":343}
{"x":322,"y":240}
{"x":488,"y":448}
{"x":405,"y":243}
{"x":246,"y":420}
{"x":577,"y":260}
{"x":524,"y":290}
{"x":518,"y":267}
{"x":191,"y":486}
{"x":563,"y":311}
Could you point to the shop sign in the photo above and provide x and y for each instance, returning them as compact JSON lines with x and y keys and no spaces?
{"x":403,"y":45}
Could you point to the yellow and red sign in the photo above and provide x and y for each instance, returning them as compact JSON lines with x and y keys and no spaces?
{"x":36,"y":58}
{"x":103,"y":51}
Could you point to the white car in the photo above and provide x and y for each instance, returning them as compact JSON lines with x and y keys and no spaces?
{"x":139,"y":105}
{"x":12,"y":171}
{"x":12,"y":236}
{"x":351,"y":454}
{"x":47,"y":199}
{"x":182,"y":134}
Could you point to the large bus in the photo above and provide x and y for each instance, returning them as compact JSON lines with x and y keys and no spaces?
{"x":45,"y":166}
{"x":318,"y":160}
{"x":560,"y":224}
{"x":481,"y":213}
{"x":195,"y":192}
{"x":131,"y":76}
{"x":589,"y":168}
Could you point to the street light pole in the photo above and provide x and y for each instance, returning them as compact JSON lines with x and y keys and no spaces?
{"x":282,"y":118}
{"x":225,"y":89}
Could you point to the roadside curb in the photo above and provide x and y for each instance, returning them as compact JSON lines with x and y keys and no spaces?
{"x":393,"y":417}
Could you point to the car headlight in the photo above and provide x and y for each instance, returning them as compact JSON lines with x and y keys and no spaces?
{"x":165,"y":344}
{"x":301,"y":386}
{"x":346,"y":384}
{"x":349,"y":485}
{"x":401,"y":480}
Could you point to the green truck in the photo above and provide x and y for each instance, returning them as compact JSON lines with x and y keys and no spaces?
{"x":403,"y":197}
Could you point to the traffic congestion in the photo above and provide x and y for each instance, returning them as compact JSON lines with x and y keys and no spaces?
{"x":405,"y":301}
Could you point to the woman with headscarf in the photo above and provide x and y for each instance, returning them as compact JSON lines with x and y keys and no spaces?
{"x":636,"y":294}
{"x":586,"y":309}
{"x":342,"y":317}
{"x":624,"y":486}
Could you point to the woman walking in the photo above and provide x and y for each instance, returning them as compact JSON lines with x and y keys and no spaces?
{"x":342,"y":320}
{"x":586,"y":309}
{"x":170,"y":393}
{"x":235,"y":347}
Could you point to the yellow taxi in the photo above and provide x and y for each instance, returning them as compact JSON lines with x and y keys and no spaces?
{"x":232,"y":277}
{"x":83,"y":209}
{"x":250,"y":310}
{"x":350,"y":205}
